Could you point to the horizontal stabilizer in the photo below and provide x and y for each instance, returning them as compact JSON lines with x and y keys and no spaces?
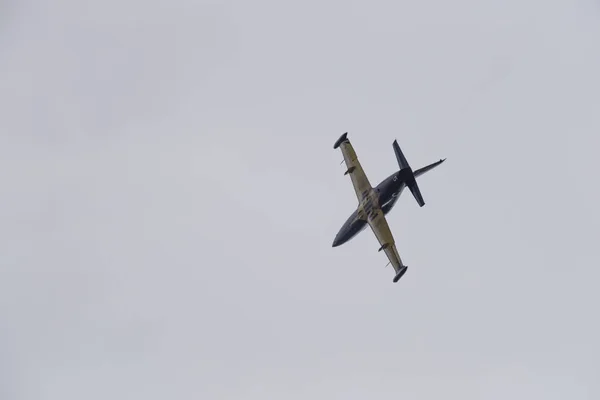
{"x":429,"y":167}
{"x":416,"y":192}
{"x":409,"y":175}
{"x":400,"y":156}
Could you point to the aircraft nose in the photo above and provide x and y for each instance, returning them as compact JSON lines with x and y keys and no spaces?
{"x":336,"y":241}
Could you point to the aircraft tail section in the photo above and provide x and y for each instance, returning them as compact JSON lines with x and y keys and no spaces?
{"x":410,"y":176}
{"x":400,"y":157}
{"x":427,"y":168}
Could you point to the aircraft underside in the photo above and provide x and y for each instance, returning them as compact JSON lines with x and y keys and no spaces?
{"x":376,"y":203}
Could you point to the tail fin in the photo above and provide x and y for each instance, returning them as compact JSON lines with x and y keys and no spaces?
{"x":410,"y":176}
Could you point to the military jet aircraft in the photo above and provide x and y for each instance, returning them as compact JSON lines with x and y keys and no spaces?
{"x":375,"y":203}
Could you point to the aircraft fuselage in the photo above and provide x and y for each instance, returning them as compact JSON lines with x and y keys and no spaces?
{"x":386,"y":196}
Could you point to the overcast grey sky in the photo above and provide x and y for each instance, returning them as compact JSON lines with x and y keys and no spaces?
{"x":169,"y":195}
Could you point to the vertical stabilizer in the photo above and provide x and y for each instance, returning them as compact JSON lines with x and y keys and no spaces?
{"x":408,"y":175}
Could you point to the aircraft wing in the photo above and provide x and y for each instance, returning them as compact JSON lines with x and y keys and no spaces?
{"x":370,"y":211}
{"x":382,"y":231}
{"x":357,"y":174}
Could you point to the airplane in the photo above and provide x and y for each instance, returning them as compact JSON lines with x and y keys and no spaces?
{"x":375,"y":203}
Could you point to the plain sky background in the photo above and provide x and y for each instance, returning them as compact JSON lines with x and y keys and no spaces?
{"x":169,"y":195}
